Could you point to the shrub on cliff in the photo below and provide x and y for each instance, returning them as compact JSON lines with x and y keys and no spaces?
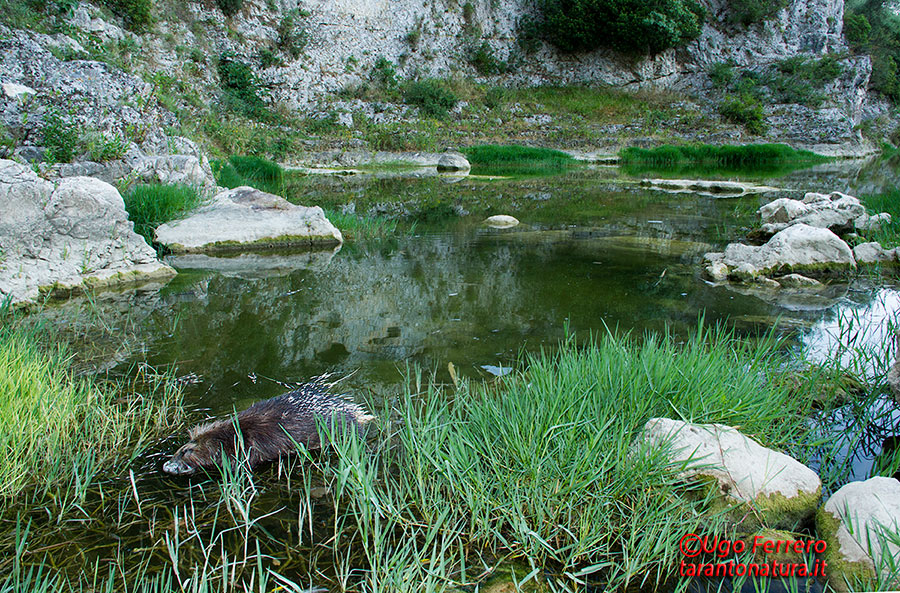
{"x":137,"y":14}
{"x":747,"y":12}
{"x":629,"y":26}
{"x":243,"y":91}
{"x":745,"y":110}
{"x":857,"y":29}
{"x":230,"y":7}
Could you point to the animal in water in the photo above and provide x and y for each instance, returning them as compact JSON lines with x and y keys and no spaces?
{"x":267,"y":429}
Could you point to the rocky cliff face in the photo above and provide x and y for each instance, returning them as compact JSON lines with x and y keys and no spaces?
{"x":344,"y":39}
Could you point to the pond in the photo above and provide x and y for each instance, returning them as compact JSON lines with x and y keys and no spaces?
{"x":594,"y":252}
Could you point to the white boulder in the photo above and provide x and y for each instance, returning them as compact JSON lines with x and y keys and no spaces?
{"x":861,"y":525}
{"x":798,"y":247}
{"x":779,"y":488}
{"x":501,"y":221}
{"x":63,"y":238}
{"x":453,"y":161}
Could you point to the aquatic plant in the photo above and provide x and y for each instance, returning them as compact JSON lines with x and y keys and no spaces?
{"x":150,"y":205}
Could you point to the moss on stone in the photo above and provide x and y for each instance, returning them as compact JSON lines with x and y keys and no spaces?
{"x":311,"y":241}
{"x":843,"y":574}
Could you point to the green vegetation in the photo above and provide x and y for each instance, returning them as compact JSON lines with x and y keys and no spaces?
{"x":230,"y":7}
{"x":744,"y":110}
{"x":484,"y":61}
{"x":242,"y":90}
{"x":106,"y":147}
{"x":257,"y":172}
{"x":872,"y":27}
{"x":728,"y":157}
{"x":492,"y":159}
{"x":431,"y":96}
{"x":150,"y":205}
{"x":362,"y":228}
{"x":57,"y":431}
{"x":748,"y":12}
{"x":137,"y":14}
{"x":292,"y":35}
{"x":857,"y":29}
{"x":888,"y":201}
{"x":60,"y":138}
{"x":629,"y":26}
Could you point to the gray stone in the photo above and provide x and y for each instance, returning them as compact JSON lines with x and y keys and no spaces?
{"x":255,"y":265}
{"x":796,"y":248}
{"x":245,"y":218}
{"x":857,"y":524}
{"x":501,"y":221}
{"x":15,"y":91}
{"x":835,"y":211}
{"x":866,"y":223}
{"x":779,"y":488}
{"x":872,"y":253}
{"x":453,"y":161}
{"x":66,"y":238}
{"x":171,"y":169}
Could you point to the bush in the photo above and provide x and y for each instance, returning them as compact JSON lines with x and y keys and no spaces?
{"x":292,"y":36}
{"x":744,"y":110}
{"x":630,"y":26}
{"x":384,"y":74}
{"x":151,"y":205}
{"x":484,"y":61}
{"x":60,"y":139}
{"x":721,"y":74}
{"x":431,"y":97}
{"x":104,"y":148}
{"x":747,"y":12}
{"x":230,"y":7}
{"x":137,"y":14}
{"x":493,"y":154}
{"x":243,"y":90}
{"x":857,"y":29}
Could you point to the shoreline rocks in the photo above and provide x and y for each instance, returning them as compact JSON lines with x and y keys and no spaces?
{"x":245,"y":218}
{"x":63,"y":238}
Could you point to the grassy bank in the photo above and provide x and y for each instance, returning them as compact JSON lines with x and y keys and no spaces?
{"x":150,"y":205}
{"x":745,"y":156}
{"x":495,"y":159}
{"x":58,"y":430}
{"x":542,"y":467}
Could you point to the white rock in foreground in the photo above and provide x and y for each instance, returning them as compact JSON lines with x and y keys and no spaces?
{"x":861,"y":524}
{"x":245,"y":218}
{"x":779,"y":488}
{"x":501,"y":221}
{"x":68,"y":237}
{"x":798,"y":247}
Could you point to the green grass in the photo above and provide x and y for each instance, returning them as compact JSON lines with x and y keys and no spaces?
{"x":254,"y":171}
{"x":889,"y":201}
{"x":356,"y":227}
{"x":150,"y":205}
{"x":765,"y":160}
{"x":493,"y":159}
{"x":57,"y":430}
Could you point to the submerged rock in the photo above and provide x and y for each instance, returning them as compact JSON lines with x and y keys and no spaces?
{"x":796,"y":248}
{"x":245,"y":218}
{"x":712,"y":187}
{"x":501,"y":221}
{"x":780,"y":490}
{"x":63,"y":238}
{"x":860,"y":523}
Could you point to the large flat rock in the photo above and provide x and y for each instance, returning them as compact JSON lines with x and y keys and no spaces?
{"x":56,"y":239}
{"x":245,"y":218}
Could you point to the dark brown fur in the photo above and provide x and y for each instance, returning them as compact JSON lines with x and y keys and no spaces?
{"x":268,"y":429}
